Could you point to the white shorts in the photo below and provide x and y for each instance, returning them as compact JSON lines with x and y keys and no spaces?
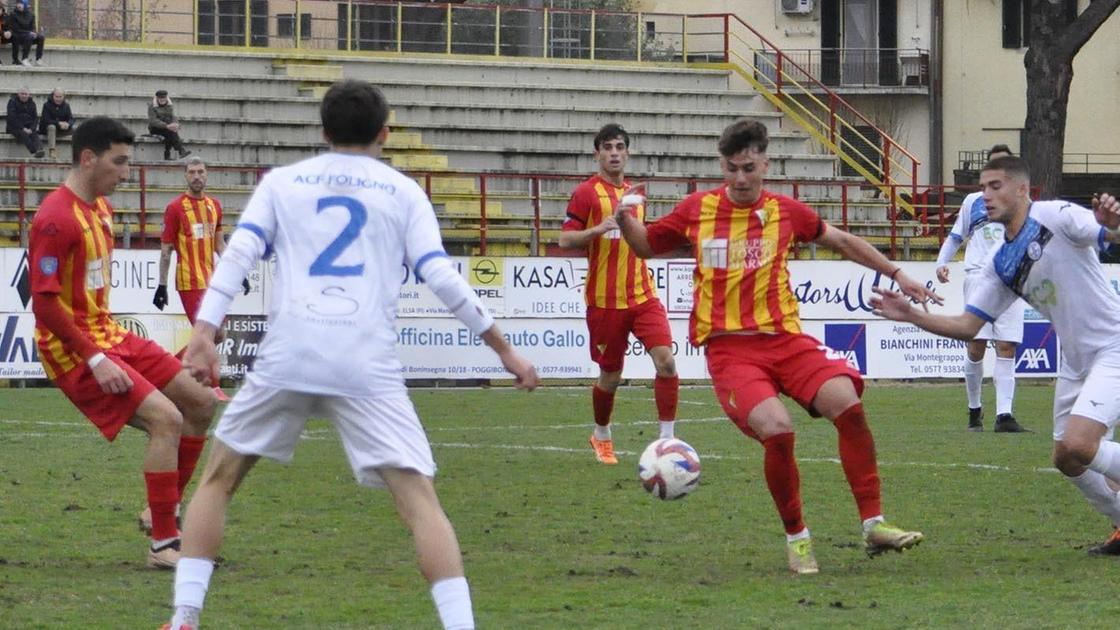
{"x":376,"y":432}
{"x":1097,"y":396}
{"x":1008,"y":326}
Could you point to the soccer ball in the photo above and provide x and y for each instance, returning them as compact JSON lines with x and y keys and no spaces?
{"x":669,"y":469}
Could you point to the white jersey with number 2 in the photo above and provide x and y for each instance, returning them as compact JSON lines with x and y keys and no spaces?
{"x":341,"y":226}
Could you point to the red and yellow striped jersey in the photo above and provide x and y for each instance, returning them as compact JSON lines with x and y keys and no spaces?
{"x":71,"y":246}
{"x":191,"y":225}
{"x":616,"y":278}
{"x":741,"y":281}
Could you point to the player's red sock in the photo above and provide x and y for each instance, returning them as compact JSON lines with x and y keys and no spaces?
{"x":602,"y":402}
{"x":190,"y":449}
{"x":784,"y":480}
{"x":163,"y":494}
{"x":857,"y":456}
{"x":665,"y":394}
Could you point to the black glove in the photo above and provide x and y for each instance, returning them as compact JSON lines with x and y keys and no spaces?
{"x":245,"y":286}
{"x":161,"y":297}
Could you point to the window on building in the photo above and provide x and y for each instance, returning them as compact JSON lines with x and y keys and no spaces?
{"x":1017,"y":21}
{"x":286,"y":25}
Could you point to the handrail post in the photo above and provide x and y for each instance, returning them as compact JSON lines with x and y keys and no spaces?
{"x":592,"y":38}
{"x":248,"y":20}
{"x":684,"y":40}
{"x":299,"y":23}
{"x":832,"y":120}
{"x":400,"y":27}
{"x":349,"y":25}
{"x":497,"y":31}
{"x":143,"y":207}
{"x":894,"y":222}
{"x":726,"y":38}
{"x":482,"y":214}
{"x":195,"y":9}
{"x":545,"y":52}
{"x":638,"y":37}
{"x":535,"y":191}
{"x":143,"y":19}
{"x":844,"y":206}
{"x":448,"y":39}
{"x":21,"y":177}
{"x":778,"y":71}
{"x":89,"y":20}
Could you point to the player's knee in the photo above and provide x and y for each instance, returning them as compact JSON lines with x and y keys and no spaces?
{"x":665,"y":365}
{"x":1074,"y":452}
{"x":200,"y":407}
{"x":609,"y":381}
{"x":1005,"y":349}
{"x":166,"y":422}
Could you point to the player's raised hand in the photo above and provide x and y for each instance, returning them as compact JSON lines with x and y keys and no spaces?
{"x":200,"y":359}
{"x":160,"y":299}
{"x":916,"y":290}
{"x":111,"y":378}
{"x":890,"y":304}
{"x":1106,"y":208}
{"x":521,"y":369}
{"x":943,"y":274}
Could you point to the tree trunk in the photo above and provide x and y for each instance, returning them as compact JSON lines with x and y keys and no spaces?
{"x":1044,"y":132}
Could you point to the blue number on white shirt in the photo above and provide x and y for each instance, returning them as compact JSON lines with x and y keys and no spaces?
{"x":324,"y":264}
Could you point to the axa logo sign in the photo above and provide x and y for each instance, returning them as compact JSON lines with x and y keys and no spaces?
{"x":21,"y":281}
{"x":1038,"y":354}
{"x":848,"y":342}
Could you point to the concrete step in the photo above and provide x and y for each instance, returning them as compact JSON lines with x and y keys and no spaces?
{"x":144,"y":83}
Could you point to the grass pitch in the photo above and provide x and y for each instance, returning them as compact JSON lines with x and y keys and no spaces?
{"x":553,"y":539}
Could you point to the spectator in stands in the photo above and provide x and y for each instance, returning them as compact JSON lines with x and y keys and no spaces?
{"x":21,"y":22}
{"x":5,"y":34}
{"x":22,"y":119}
{"x":57,"y":120}
{"x":162,"y":122}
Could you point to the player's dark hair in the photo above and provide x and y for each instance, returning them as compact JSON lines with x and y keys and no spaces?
{"x":743,"y":134}
{"x":1014,"y":166}
{"x":1000,"y":148}
{"x":353,"y":113}
{"x":98,"y":134}
{"x":610,"y":131}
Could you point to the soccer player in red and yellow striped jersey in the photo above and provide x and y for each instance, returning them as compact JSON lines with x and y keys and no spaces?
{"x":114,"y":377}
{"x":619,"y":291}
{"x":745,"y":312}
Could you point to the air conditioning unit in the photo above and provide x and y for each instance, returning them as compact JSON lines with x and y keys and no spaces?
{"x":797,"y":7}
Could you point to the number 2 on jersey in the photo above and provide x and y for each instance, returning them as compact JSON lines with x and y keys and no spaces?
{"x":324,"y":264}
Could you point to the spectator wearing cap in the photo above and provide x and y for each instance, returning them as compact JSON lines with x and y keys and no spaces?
{"x":22,"y":119}
{"x":162,"y":122}
{"x":56,"y":120}
{"x":21,"y":23}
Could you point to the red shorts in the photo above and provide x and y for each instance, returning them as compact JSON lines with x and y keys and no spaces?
{"x":148,"y":365}
{"x":192,"y":300}
{"x":748,"y":369}
{"x":610,"y":328}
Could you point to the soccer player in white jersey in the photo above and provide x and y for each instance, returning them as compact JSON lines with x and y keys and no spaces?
{"x":341,"y":225}
{"x":1050,"y":259}
{"x":1006,"y":331}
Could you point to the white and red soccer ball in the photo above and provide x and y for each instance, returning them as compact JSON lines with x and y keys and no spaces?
{"x":669,"y":469}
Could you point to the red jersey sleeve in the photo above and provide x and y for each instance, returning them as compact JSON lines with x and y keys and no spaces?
{"x":807,"y":224}
{"x":579,"y":209}
{"x":170,"y":223}
{"x":671,"y":231}
{"x":51,"y":241}
{"x":218,"y":212}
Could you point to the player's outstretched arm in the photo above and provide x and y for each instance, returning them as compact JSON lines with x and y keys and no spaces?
{"x":1106,"y":209}
{"x":860,"y":251}
{"x":200,"y":359}
{"x":522,"y":370}
{"x":894,"y":305}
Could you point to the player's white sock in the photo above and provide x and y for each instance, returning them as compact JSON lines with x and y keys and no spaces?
{"x":453,"y":601}
{"x":602,"y":432}
{"x":1004,"y":379}
{"x":192,"y":578}
{"x":666,"y":428}
{"x":1094,"y":486}
{"x":798,"y":536}
{"x":1107,"y":460}
{"x":973,"y":377}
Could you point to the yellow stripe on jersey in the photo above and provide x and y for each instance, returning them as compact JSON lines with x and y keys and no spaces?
{"x":709,"y":205}
{"x":771,"y":231}
{"x":739,"y":224}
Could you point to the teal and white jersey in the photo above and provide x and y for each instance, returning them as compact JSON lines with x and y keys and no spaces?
{"x":1053,"y":264}
{"x":342,"y":226}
